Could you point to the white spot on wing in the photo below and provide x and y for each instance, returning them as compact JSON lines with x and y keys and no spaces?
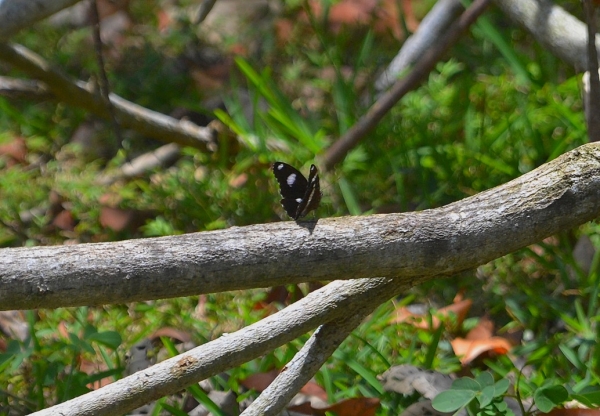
{"x":298,"y":200}
{"x":279,"y":166}
{"x":291,"y":179}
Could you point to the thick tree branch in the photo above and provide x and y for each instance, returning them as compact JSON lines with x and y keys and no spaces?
{"x":557,"y":196}
{"x":553,"y":27}
{"x":338,"y":300}
{"x":80,"y":95}
{"x":20,"y":14}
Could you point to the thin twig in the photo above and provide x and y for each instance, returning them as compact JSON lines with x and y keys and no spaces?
{"x":433,"y":27}
{"x":159,"y":157}
{"x":592,"y":99}
{"x":205,"y":8}
{"x":81,"y":95}
{"x":24,"y":89}
{"x":423,"y":67}
{"x":103,"y":83}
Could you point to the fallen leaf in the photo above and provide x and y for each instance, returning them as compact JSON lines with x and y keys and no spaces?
{"x":458,"y":309}
{"x":15,"y":151}
{"x":468,"y":350}
{"x":359,"y":406}
{"x":259,"y":381}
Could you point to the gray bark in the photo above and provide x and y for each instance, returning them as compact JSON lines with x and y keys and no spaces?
{"x":20,"y":14}
{"x":553,"y":27}
{"x":306,"y":363}
{"x":433,"y":27}
{"x":411,"y":247}
{"x":81,"y":95}
{"x":336,"y":301}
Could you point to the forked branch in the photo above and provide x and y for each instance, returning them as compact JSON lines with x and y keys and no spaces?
{"x":336,"y":301}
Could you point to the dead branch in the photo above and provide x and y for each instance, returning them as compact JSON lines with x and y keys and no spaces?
{"x":306,"y":363}
{"x":338,"y":151}
{"x":412,"y":247}
{"x":554,"y":28}
{"x":336,"y":301}
{"x":162,"y":156}
{"x":18,"y":14}
{"x":432,"y":28}
{"x":81,"y":95}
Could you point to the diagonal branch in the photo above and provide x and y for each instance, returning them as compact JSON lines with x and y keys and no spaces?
{"x":433,"y":26}
{"x":592,"y":95}
{"x":413,"y":247}
{"x":18,"y":14}
{"x":307,"y":362}
{"x":335,"y":301}
{"x":337,"y":152}
{"x":80,"y":95}
{"x":554,"y":28}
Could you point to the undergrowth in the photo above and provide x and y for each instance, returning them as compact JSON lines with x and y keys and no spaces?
{"x":485,"y":116}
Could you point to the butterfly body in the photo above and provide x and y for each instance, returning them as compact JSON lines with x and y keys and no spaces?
{"x":300,"y":195}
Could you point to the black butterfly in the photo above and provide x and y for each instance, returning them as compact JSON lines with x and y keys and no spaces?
{"x":300,"y":196}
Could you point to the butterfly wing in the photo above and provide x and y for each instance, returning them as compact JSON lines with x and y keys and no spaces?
{"x":312,"y":195}
{"x":292,"y":186}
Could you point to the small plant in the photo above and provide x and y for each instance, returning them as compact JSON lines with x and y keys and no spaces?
{"x":483,"y":396}
{"x":479,"y":396}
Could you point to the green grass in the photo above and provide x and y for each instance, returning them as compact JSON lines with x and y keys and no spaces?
{"x":493,"y":111}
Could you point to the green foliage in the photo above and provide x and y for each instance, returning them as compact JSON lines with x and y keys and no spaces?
{"x":490,"y":113}
{"x":480,"y":396}
{"x":484,"y":396}
{"x":47,"y":368}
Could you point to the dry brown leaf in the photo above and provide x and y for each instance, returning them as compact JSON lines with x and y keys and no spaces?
{"x":64,"y":220}
{"x":573,"y":412}
{"x":90,"y":367}
{"x":459,"y":309}
{"x":14,"y":152}
{"x":118,"y":219}
{"x":483,"y":330}
{"x":259,"y":381}
{"x":359,"y":406}
{"x":173,"y":333}
{"x":468,"y":350}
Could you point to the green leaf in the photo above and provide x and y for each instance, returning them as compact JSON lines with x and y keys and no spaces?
{"x":433,"y":347}
{"x":589,"y":396}
{"x":349,"y":197}
{"x":501,"y":387}
{"x":452,"y":400}
{"x":203,"y":398}
{"x":173,"y":410}
{"x":466,"y":383}
{"x":485,"y":379}
{"x":366,"y":374}
{"x":110,"y":339}
{"x":547,"y":398}
{"x":486,"y":396}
